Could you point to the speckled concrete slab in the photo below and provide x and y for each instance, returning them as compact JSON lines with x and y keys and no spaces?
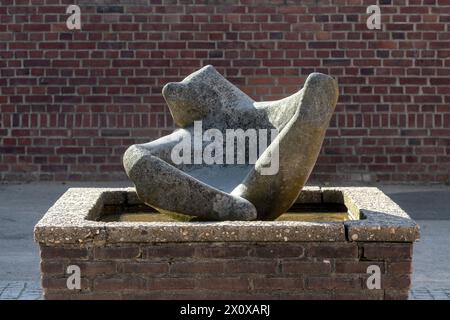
{"x":73,"y":220}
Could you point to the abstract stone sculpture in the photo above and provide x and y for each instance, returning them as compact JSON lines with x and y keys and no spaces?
{"x":233,"y":191}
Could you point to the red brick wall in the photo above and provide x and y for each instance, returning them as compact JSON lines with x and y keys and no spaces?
{"x":71,"y":101}
{"x":239,"y":270}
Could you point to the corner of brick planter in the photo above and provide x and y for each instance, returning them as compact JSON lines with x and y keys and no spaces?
{"x":226,"y":260}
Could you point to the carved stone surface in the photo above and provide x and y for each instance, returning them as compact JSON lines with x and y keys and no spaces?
{"x":224,"y":191}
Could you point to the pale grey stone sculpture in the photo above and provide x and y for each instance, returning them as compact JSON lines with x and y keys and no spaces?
{"x":232,"y":191}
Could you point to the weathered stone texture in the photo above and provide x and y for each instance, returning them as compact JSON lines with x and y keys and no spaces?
{"x":224,"y":190}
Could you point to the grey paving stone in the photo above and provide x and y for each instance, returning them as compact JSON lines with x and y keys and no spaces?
{"x":429,"y":294}
{"x":20,"y":290}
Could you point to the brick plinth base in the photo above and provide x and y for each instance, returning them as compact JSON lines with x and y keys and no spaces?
{"x":300,"y":270}
{"x":229,"y":259}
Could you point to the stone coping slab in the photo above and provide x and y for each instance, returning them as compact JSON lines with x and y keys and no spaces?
{"x":72,"y":219}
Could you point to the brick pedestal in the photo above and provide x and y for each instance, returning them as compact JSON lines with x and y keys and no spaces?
{"x":226,"y":260}
{"x":218,"y":270}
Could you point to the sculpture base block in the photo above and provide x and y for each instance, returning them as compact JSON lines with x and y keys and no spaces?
{"x":226,"y":260}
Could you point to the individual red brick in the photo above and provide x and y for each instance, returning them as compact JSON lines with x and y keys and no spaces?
{"x":396,"y":282}
{"x":95,"y":268}
{"x":399,"y":267}
{"x":352,"y":267}
{"x":201,"y":267}
{"x":327,"y":282}
{"x":171,"y":283}
{"x":283,"y":250}
{"x":396,"y":294}
{"x":221,"y":251}
{"x":52,"y":267}
{"x":332,"y":250}
{"x":110,"y":253}
{"x":62,"y":253}
{"x":394,"y":251}
{"x":57,"y":283}
{"x":306,"y":295}
{"x":281,"y":283}
{"x":224,"y":283}
{"x":77,"y":295}
{"x":145,"y":267}
{"x":69,"y":150}
{"x":168,"y":251}
{"x":367,"y":294}
{"x":120,"y":284}
{"x":251,"y":266}
{"x":301,"y":267}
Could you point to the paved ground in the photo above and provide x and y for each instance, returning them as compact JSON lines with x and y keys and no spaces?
{"x":20,"y":290}
{"x":22,"y":205}
{"x":430,"y":207}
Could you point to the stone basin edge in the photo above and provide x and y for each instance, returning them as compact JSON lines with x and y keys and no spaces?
{"x":68,"y":221}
